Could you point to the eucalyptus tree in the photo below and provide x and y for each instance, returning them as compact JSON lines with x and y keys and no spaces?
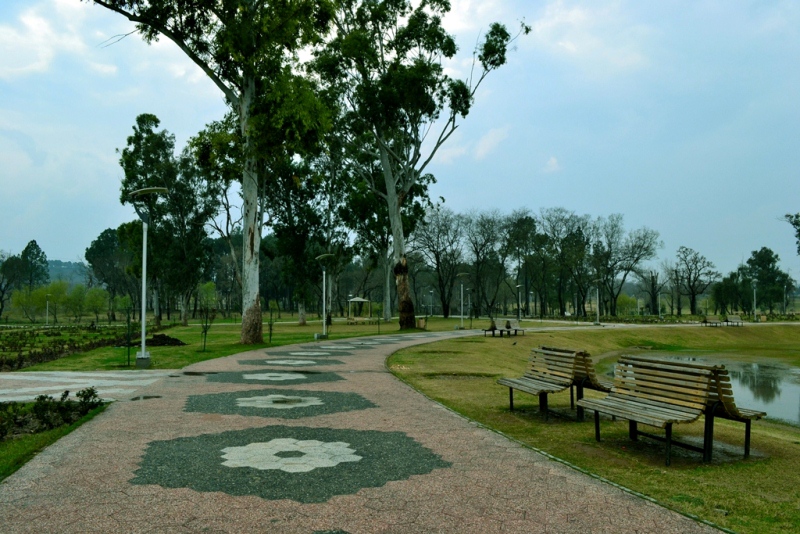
{"x":696,"y":274}
{"x":794,"y":220}
{"x":566,"y":233}
{"x":386,"y":62}
{"x":247,"y":49}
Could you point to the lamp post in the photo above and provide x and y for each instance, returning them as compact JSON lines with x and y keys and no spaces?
{"x":754,"y":301}
{"x":597,"y":304}
{"x":430,"y":303}
{"x":469,"y":305}
{"x":324,"y":297}
{"x":47,"y":310}
{"x":461,"y":280}
{"x":143,"y":358}
{"x":518,"y":303}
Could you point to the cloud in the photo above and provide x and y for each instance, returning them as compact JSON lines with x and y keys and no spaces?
{"x":552,"y":165}
{"x":490,"y":141}
{"x":448,"y":154}
{"x":599,"y":37}
{"x":470,"y":15}
{"x":30,"y":45}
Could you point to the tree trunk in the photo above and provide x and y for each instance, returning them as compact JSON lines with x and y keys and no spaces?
{"x":185,"y":309}
{"x":156,"y":307}
{"x":404,"y":302}
{"x":252,"y":330}
{"x":387,"y":290}
{"x":301,"y":313}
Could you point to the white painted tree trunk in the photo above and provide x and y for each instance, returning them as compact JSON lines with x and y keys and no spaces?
{"x":252,"y":330}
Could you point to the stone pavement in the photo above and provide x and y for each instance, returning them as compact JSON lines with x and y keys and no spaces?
{"x":314,"y":438}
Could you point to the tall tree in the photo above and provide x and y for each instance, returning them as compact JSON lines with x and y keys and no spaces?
{"x":696,"y":274}
{"x":621,"y":253}
{"x":771,"y":283}
{"x":440,"y":241}
{"x":179,"y":216}
{"x":11,"y":276}
{"x":34,"y":266}
{"x":794,"y":220}
{"x":386,"y":62}
{"x":246,"y":48}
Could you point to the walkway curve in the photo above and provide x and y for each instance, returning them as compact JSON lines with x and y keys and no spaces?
{"x":317,"y":437}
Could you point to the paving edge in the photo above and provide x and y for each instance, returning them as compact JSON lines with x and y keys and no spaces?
{"x":556,"y":458}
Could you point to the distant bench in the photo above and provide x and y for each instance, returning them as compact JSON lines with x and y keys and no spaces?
{"x":361,"y":320}
{"x":734,"y":320}
{"x":511,"y":327}
{"x":711,"y":320}
{"x":661,"y":393}
{"x":552,"y":370}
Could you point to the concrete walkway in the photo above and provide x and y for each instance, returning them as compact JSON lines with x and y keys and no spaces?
{"x":311,"y":438}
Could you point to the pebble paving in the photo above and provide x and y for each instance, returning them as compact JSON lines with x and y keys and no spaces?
{"x":209,"y":448}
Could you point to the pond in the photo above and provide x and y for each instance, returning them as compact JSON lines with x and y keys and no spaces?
{"x":766,"y":386}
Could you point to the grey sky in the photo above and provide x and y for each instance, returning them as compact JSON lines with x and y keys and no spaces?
{"x":681,"y":115}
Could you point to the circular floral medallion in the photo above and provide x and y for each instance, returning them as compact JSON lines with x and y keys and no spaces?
{"x":311,"y":454}
{"x":283,"y":403}
{"x":274,"y":377}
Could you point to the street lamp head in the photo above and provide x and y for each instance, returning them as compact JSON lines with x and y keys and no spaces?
{"x":324,"y":256}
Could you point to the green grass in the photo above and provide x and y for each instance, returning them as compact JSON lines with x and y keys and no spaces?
{"x":14,"y":453}
{"x":223,"y":340}
{"x":759,"y":495}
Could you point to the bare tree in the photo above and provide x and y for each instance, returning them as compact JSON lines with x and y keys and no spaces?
{"x":440,"y":241}
{"x":697,"y":273}
{"x":651,"y":282}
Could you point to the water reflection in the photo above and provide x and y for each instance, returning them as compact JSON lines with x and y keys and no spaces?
{"x":766,"y":386}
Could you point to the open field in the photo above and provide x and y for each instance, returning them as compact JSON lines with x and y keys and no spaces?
{"x":760,"y":495}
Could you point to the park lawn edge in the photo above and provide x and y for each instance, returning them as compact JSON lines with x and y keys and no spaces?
{"x":16,"y":452}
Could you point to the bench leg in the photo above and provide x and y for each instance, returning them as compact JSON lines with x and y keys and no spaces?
{"x":633,"y":430}
{"x":747,"y":438}
{"x":511,"y":399}
{"x":543,"y":404}
{"x":597,"y":425}
{"x":571,"y":398}
{"x":708,"y":437}
{"x":669,"y":442}
{"x":580,"y":408}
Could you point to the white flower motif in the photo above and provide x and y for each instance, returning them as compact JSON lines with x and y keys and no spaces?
{"x":310,"y":353}
{"x":336,"y":347}
{"x":281,"y":402}
{"x":275,"y":377}
{"x":290,"y":362}
{"x":309,"y":455}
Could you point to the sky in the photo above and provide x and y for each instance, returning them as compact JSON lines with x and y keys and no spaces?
{"x":684,"y":116}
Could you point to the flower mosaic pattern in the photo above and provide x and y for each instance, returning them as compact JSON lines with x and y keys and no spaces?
{"x":278,"y":402}
{"x":282,"y":403}
{"x":290,"y":362}
{"x":285,"y":462}
{"x":274,"y":377}
{"x":313,"y":455}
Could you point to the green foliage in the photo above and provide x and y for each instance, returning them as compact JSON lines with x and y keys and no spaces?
{"x":794,"y":220}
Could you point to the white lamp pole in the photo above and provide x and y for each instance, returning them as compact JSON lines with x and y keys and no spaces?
{"x":143,"y":358}
{"x":47,"y":311}
{"x":324,"y":296}
{"x":518,"y":303}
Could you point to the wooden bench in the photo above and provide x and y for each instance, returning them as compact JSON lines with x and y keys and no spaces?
{"x":553,"y":370}
{"x":721,"y":403}
{"x":657,"y":393}
{"x":734,"y":320}
{"x":711,"y":320}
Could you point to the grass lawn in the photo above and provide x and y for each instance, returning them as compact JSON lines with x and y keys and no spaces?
{"x":14,"y":453}
{"x":223,"y":340}
{"x":759,"y":495}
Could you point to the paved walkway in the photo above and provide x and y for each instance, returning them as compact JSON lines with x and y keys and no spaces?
{"x":314,"y":438}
